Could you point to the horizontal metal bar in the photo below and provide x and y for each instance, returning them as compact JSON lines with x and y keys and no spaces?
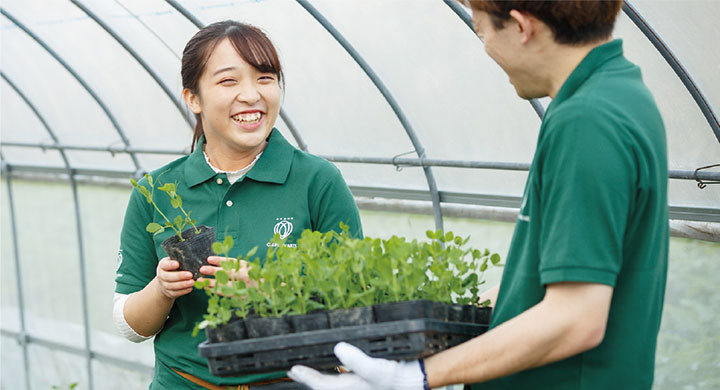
{"x":105,"y":173}
{"x":701,"y":214}
{"x":697,"y":230}
{"x":684,"y":213}
{"x":399,"y":162}
{"x":88,"y":148}
{"x":80,"y":351}
{"x":432,"y":162}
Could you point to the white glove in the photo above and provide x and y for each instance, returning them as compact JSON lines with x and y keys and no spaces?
{"x":367,"y":373}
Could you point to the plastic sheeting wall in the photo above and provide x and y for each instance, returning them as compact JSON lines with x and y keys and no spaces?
{"x":68,"y":83}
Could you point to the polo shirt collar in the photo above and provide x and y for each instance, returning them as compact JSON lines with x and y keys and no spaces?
{"x":275,"y":162}
{"x":197,"y":169}
{"x":272,"y":167}
{"x":592,"y":61}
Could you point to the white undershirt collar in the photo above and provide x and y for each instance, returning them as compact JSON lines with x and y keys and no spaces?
{"x":232,"y":176}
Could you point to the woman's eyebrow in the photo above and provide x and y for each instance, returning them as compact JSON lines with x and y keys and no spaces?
{"x":228,"y":68}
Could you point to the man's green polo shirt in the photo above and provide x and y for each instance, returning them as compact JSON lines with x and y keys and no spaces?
{"x":595,"y":210}
{"x":287,"y":190}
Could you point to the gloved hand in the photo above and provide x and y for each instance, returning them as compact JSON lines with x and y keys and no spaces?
{"x":367,"y":373}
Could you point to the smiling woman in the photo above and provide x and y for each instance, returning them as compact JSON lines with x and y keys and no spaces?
{"x":236,"y":97}
{"x":242,"y":178}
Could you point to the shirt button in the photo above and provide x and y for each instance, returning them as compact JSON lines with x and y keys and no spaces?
{"x":229,"y":203}
{"x":219,"y":181}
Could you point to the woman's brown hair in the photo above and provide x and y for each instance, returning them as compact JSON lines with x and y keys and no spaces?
{"x":249,"y":41}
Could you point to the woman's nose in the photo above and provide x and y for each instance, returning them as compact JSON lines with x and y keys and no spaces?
{"x":248,"y":94}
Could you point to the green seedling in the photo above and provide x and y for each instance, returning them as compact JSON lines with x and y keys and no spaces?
{"x":228,"y":296}
{"x":180,"y":221}
{"x":335,"y":270}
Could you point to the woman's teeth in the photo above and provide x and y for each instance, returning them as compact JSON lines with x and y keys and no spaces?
{"x":247,"y":118}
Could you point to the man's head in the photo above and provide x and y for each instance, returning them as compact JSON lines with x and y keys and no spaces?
{"x":537,"y":43}
{"x":571,"y":21}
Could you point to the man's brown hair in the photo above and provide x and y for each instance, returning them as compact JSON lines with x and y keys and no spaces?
{"x":571,"y":21}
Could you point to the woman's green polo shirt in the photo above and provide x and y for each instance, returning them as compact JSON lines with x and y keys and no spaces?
{"x":595,"y":210}
{"x":287,"y":189}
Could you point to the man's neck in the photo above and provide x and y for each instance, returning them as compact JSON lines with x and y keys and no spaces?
{"x":561,"y":60}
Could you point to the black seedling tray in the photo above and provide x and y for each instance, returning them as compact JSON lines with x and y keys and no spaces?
{"x":399,"y":340}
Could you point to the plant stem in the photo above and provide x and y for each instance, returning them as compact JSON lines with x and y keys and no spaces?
{"x":178,"y":232}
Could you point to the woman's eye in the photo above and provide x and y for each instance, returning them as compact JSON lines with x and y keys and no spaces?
{"x":227,"y":81}
{"x":267,"y":78}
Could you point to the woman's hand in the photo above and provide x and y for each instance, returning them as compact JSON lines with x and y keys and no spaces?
{"x":171,"y":283}
{"x":215,"y":261}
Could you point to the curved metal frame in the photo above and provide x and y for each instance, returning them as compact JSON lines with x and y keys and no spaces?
{"x":422,"y":161}
{"x":176,"y":101}
{"x":676,"y":66}
{"x":419,"y":149}
{"x":77,"y":77}
{"x":458,"y":10}
{"x":656,"y":41}
{"x":81,"y":251}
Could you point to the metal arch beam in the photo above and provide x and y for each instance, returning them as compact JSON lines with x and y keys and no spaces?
{"x":77,"y":77}
{"x":661,"y":47}
{"x":37,"y":115}
{"x":432,"y":185}
{"x":176,"y":101}
{"x":283,"y":114}
{"x":81,"y":251}
{"x":457,"y":9}
{"x":676,"y":66}
{"x":23,"y":336}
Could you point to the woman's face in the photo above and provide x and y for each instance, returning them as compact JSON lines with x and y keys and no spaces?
{"x":238,"y":104}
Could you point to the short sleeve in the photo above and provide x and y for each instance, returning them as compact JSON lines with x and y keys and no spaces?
{"x":333,"y":203}
{"x":586,"y":178}
{"x":137,"y":258}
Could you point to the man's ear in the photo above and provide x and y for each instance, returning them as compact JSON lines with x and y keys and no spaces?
{"x":192,"y":100}
{"x":526,"y":24}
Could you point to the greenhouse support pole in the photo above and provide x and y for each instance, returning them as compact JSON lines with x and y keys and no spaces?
{"x":458,"y":10}
{"x":676,"y":66}
{"x":432,"y":185}
{"x":80,"y":242}
{"x":293,"y":130}
{"x":83,"y":280}
{"x":79,"y":79}
{"x":176,"y":101}
{"x":283,"y":114}
{"x":23,"y":339}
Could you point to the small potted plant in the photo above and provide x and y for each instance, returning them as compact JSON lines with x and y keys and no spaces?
{"x":190,"y":247}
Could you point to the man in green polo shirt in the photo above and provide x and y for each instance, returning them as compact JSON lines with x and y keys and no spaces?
{"x":580,"y":302}
{"x":283,"y":191}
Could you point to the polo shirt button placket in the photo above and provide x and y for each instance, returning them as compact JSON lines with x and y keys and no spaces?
{"x":219,"y":180}
{"x":229,"y":203}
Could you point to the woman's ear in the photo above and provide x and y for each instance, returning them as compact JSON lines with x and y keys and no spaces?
{"x":192,"y":100}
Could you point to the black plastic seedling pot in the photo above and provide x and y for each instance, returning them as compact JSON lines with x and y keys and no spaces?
{"x":351,"y":317}
{"x":192,"y":253}
{"x":311,"y":321}
{"x":232,"y":331}
{"x":266,"y":326}
{"x":398,"y":311}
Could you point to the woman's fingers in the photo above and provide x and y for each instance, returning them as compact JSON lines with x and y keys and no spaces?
{"x":240,"y":271}
{"x":173,"y":283}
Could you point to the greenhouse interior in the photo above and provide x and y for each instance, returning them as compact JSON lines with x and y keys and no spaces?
{"x":399,"y":95}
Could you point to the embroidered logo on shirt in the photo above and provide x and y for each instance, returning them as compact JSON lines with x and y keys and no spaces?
{"x":119,"y":259}
{"x":284,"y":227}
{"x":119,"y":262}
